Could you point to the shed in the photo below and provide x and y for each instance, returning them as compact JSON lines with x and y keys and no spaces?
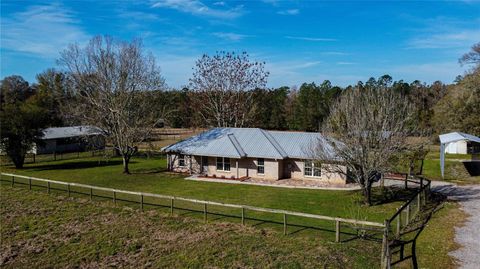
{"x":459,"y":143}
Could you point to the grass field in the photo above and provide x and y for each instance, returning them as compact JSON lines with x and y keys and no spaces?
{"x":30,"y":218}
{"x":44,"y":231}
{"x":148,"y":175}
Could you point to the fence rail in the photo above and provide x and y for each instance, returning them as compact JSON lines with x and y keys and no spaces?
{"x":392,"y":227}
{"x":142,"y":195}
{"x":402,"y":218}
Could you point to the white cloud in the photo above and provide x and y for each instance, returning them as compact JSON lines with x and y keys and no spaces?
{"x":450,"y":39}
{"x":41,"y":30}
{"x":230,"y":36}
{"x":289,"y":12}
{"x":196,"y":7}
{"x":314,"y":39}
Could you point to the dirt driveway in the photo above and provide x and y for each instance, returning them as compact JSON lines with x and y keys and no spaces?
{"x":468,"y":236}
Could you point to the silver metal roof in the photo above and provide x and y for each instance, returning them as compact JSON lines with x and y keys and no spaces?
{"x":72,"y":131}
{"x":457,"y":136}
{"x":251,"y":142}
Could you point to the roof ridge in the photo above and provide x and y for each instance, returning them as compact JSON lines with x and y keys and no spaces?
{"x":274,"y":143}
{"x":236,"y":145}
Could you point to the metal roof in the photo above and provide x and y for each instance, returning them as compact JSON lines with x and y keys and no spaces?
{"x":450,"y":138}
{"x":251,"y":142}
{"x":72,"y":131}
{"x":457,"y":136}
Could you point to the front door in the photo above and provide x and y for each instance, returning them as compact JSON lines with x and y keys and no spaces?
{"x":204,"y":164}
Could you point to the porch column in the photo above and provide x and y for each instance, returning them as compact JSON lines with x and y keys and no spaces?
{"x":191,"y":160}
{"x":236,"y":163}
{"x":168,"y":162}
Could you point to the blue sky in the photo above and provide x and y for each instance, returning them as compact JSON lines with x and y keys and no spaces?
{"x":300,"y":41}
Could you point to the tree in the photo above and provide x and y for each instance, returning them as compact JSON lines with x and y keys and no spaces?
{"x":472,"y":57}
{"x":459,"y":110}
{"x":54,"y":87}
{"x":224,"y":84}
{"x":22,"y":118}
{"x":112,"y":80}
{"x":366,"y":128}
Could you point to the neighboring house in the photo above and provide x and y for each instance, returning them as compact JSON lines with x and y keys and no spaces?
{"x":253,"y":152}
{"x":70,"y":139}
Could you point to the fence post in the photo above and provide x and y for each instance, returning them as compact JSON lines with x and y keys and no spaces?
{"x":34,"y":158}
{"x":337,"y":231}
{"x":68,"y":189}
{"x":91,"y":194}
{"x":171,"y":206}
{"x":419,"y":201}
{"x":399,"y":223}
{"x":205,"y":212}
{"x":383,"y":263}
{"x":114,"y":197}
{"x":284,"y":224}
{"x":29,"y":183}
{"x":243,"y":215}
{"x":406,"y":181}
{"x":141,"y":201}
{"x":408,"y":215}
{"x":48,"y":187}
{"x":13,"y":180}
{"x":54,"y":155}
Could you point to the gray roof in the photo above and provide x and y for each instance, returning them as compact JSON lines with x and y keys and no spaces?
{"x":251,"y":142}
{"x":72,"y":131}
{"x":457,"y":136}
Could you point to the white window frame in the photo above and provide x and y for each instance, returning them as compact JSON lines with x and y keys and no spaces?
{"x":312,"y":168}
{"x":221,"y":160}
{"x":181,"y":157}
{"x":260,"y":166}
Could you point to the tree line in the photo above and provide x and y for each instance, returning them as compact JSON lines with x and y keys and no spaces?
{"x":118,"y":87}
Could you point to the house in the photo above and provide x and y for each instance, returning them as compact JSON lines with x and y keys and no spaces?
{"x":69,"y":139}
{"x":252,"y":152}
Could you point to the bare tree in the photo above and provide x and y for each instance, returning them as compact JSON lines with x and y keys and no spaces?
{"x":472,"y":57}
{"x":366,"y":128}
{"x":224,"y":83}
{"x":112,"y":80}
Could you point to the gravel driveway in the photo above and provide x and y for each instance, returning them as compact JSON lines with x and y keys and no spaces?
{"x":468,"y":236}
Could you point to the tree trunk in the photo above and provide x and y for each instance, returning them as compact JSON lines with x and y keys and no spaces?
{"x":421,"y":167}
{"x":18,"y":161}
{"x":126,"y":160}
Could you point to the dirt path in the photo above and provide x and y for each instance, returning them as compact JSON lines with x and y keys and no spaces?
{"x":468,"y":236}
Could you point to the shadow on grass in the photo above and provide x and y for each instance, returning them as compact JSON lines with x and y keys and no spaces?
{"x":472,"y":167}
{"x":74,"y":165}
{"x":392,"y":194}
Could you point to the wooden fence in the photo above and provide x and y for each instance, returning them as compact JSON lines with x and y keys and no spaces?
{"x":391,"y":228}
{"x":139,"y":198}
{"x":397,"y":224}
{"x":35,"y":158}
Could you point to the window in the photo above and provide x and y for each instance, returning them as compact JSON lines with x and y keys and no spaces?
{"x":181,"y":160}
{"x":312,"y":169}
{"x":260,"y":166}
{"x":223,"y":164}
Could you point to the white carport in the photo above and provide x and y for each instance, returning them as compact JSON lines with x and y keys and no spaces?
{"x":446,"y":139}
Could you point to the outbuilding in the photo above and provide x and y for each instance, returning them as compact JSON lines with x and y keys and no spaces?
{"x":70,"y":139}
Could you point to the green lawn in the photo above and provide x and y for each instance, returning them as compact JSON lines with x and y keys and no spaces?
{"x":126,"y":237}
{"x":148,"y":176}
{"x":455,"y":170}
{"x":51,"y":231}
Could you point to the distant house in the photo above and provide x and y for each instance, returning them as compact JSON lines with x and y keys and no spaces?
{"x":70,"y":139}
{"x":252,"y":152}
